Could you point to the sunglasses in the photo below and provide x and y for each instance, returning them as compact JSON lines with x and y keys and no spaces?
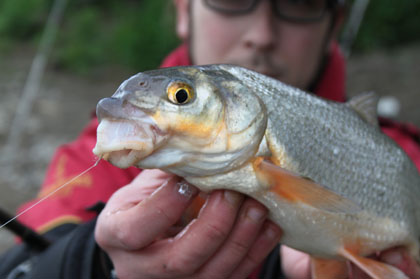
{"x":291,"y":10}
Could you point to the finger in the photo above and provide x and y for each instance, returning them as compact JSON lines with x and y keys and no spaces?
{"x":139,"y":189}
{"x":401,"y":259}
{"x":139,"y":225}
{"x":295,"y":264}
{"x":268,"y":238}
{"x":204,"y":235}
{"x":240,"y":240}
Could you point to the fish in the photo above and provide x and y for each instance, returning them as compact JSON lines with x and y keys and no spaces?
{"x":338,"y":187}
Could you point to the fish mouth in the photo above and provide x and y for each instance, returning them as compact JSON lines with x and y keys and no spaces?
{"x":125,"y":143}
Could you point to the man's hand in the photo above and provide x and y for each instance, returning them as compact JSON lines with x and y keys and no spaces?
{"x":229,"y":238}
{"x":296,"y":264}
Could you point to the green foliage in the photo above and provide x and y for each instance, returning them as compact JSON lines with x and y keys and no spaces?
{"x":80,"y":45}
{"x":136,"y":34}
{"x":133,"y":34}
{"x":145,"y":36}
{"x":19,"y":19}
{"x":389,"y":23}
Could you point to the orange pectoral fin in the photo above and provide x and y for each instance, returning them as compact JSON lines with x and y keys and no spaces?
{"x":328,"y":269}
{"x":295,"y":188}
{"x":375,"y":269}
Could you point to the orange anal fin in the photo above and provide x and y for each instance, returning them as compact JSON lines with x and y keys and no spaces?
{"x":328,"y":269}
{"x":295,"y":188}
{"x":373,"y":268}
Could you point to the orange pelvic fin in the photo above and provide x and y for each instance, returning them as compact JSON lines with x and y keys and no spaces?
{"x":295,"y":188}
{"x":328,"y":269}
{"x":373,"y":268}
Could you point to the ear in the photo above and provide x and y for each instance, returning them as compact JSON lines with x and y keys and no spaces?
{"x":182,"y":18}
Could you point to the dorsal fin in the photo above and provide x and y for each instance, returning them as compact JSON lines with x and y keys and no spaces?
{"x":365,"y":105}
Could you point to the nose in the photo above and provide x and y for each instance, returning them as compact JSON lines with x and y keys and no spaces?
{"x":262,"y":32}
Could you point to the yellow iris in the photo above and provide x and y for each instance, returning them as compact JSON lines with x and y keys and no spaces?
{"x":180,"y":92}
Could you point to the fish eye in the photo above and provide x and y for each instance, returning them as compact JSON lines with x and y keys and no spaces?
{"x":181,"y":96}
{"x":180,"y":93}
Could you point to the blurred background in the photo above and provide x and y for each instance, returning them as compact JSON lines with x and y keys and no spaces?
{"x":91,"y":46}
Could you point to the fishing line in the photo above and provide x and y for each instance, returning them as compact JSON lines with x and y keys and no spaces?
{"x":53,"y":192}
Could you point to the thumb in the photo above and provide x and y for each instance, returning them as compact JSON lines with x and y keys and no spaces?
{"x":142,"y":186}
{"x":295,"y":264}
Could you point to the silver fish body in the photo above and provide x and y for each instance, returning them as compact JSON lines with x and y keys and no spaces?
{"x":333,"y":145}
{"x":235,"y":115}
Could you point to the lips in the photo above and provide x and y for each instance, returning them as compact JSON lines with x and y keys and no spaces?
{"x":125,"y":142}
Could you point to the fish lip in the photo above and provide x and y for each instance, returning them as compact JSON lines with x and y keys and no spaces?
{"x":125,"y":142}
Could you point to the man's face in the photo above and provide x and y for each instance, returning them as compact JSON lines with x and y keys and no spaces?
{"x":290,"y":52}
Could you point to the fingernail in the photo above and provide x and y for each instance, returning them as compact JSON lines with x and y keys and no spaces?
{"x":186,"y":190}
{"x":272,"y":232}
{"x":232,"y":197}
{"x":170,"y":181}
{"x":255,"y":214}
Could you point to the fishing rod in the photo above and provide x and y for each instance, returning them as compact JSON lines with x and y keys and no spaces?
{"x":29,"y":236}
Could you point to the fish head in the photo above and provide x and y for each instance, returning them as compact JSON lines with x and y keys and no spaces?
{"x":190,"y":121}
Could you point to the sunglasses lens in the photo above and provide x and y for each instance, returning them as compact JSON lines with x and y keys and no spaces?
{"x":301,"y":9}
{"x":231,"y":6}
{"x":298,"y":10}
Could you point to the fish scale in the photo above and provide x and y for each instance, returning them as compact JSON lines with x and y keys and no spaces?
{"x":366,"y":149}
{"x":336,"y":185}
{"x":379,"y":167}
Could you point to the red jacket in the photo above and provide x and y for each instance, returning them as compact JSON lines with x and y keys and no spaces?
{"x":70,"y":203}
